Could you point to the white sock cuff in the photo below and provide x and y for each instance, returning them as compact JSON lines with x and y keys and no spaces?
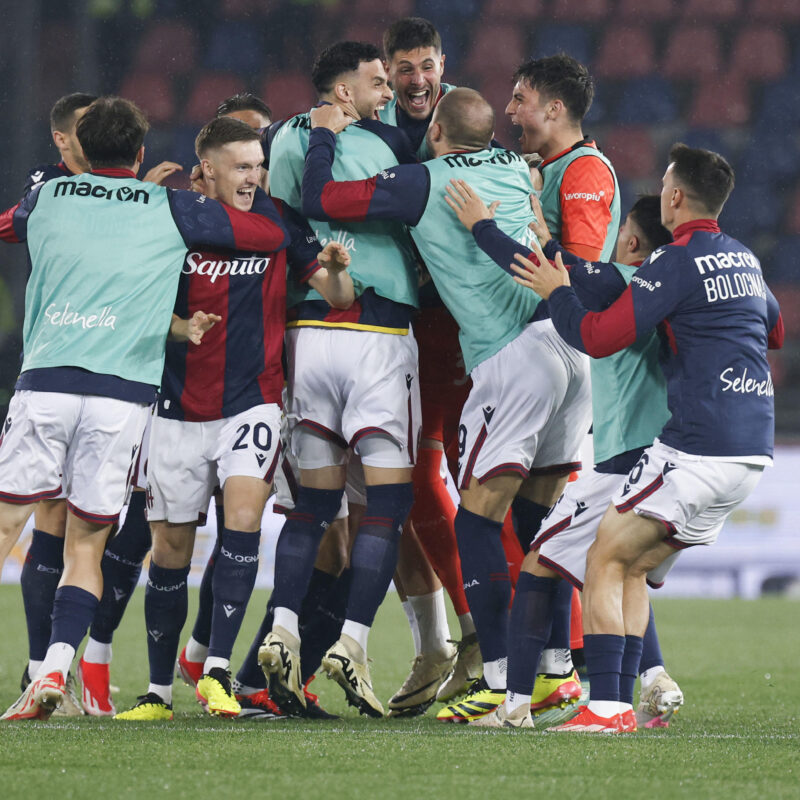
{"x":287,"y":619}
{"x":97,"y":652}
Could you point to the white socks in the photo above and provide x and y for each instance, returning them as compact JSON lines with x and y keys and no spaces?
{"x":58,"y":659}
{"x":357,"y":632}
{"x":467,"y":625}
{"x":494,"y":673}
{"x":164,"y":692}
{"x":215,"y":661}
{"x":196,"y":651}
{"x":556,"y":661}
{"x":649,"y":675}
{"x":97,"y":652}
{"x":412,"y":623}
{"x":514,"y":700}
{"x":605,"y":708}
{"x":431,"y":616}
{"x":286,"y":619}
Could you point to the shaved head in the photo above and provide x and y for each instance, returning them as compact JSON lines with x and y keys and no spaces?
{"x":466,"y":118}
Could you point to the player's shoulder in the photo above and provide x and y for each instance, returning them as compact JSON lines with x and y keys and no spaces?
{"x":42,"y":173}
{"x":396,"y":139}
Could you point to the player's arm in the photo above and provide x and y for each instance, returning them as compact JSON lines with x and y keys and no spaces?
{"x":596,"y":289}
{"x":202,"y":221}
{"x":585,"y":195}
{"x":324,"y":269}
{"x":774,"y":322}
{"x":192,"y":329}
{"x":654,"y":294}
{"x":14,"y":220}
{"x":399,"y":193}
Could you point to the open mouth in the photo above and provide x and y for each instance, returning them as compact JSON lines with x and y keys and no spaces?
{"x":418,"y":100}
{"x":246,"y":192}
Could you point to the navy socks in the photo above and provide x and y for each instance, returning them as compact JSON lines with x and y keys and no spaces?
{"x":73,"y":610}
{"x":41,"y":573}
{"x":235,"y":572}
{"x":122,"y":565}
{"x":374,"y":556}
{"x":486,"y":580}
{"x":299,"y":542}
{"x":630,"y":668}
{"x":166,"y":602}
{"x":604,"y":652}
{"x":527,"y":516}
{"x":529,"y":628}
{"x":651,"y":648}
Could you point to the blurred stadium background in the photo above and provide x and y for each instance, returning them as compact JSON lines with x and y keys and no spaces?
{"x":723,"y":75}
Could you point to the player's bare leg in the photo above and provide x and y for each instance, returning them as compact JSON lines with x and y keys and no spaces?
{"x":12,"y":520}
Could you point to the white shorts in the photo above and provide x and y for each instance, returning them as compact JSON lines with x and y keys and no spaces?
{"x":691,"y":495}
{"x":567,"y":532}
{"x":189,"y":459}
{"x":85,"y":444}
{"x":347,"y":385}
{"x":528,"y":409}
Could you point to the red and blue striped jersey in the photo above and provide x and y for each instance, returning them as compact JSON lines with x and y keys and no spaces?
{"x":238,"y":363}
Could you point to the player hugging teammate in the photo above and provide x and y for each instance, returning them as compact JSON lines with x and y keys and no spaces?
{"x":432,"y":231}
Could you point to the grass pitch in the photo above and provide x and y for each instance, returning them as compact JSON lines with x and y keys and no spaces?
{"x":738,"y":735}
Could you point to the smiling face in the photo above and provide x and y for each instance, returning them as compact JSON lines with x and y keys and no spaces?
{"x":416,"y":77}
{"x":233,"y":171}
{"x":533,"y":114}
{"x":368,"y":88}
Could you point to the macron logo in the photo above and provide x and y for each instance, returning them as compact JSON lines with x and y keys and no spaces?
{"x":656,"y":254}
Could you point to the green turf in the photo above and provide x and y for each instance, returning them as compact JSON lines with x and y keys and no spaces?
{"x":737,"y":737}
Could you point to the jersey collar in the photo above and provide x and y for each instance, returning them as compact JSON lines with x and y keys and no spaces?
{"x":688,"y":228}
{"x":585,"y":142}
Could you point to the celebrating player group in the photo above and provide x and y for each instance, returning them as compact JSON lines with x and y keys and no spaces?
{"x":346,"y":306}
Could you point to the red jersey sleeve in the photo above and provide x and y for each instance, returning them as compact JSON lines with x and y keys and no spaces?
{"x":587,"y":190}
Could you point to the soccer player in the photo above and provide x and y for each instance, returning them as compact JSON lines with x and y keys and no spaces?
{"x":580,"y":202}
{"x":529,"y":400}
{"x":218,"y":420}
{"x":415,"y":64}
{"x":98,"y":308}
{"x":718,"y":318}
{"x":255,"y":113}
{"x":44,"y":561}
{"x":630,"y":407}
{"x":352,"y":382}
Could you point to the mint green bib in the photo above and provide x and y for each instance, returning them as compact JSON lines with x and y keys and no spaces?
{"x":490,"y":307}
{"x":381,"y":254}
{"x":106,"y":257}
{"x":629,"y":395}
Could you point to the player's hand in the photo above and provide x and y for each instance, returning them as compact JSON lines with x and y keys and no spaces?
{"x":192,"y":329}
{"x":539,"y":226}
{"x":161,"y":172}
{"x":334,"y":257}
{"x":539,"y":274}
{"x":199,"y":324}
{"x":468,"y":206}
{"x":197,"y":182}
{"x":333,"y":117}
